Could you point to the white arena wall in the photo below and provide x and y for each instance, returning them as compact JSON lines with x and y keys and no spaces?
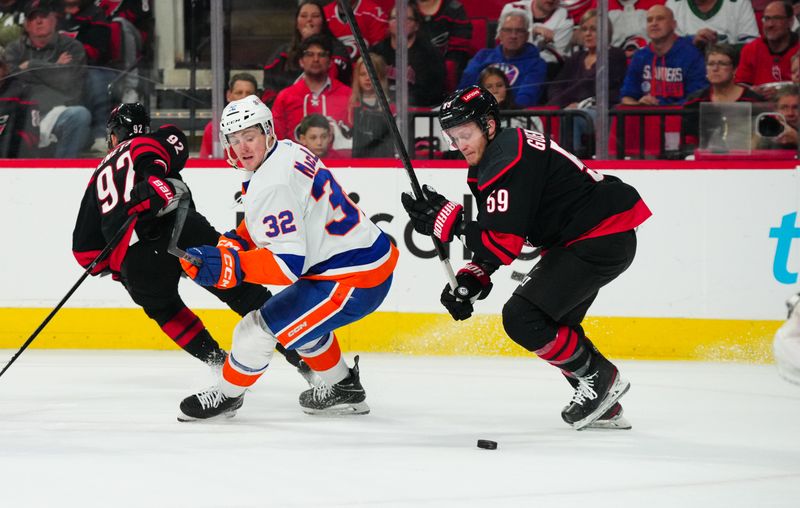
{"x":709,"y":279}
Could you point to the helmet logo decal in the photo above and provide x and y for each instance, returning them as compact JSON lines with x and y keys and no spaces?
{"x":471,"y":95}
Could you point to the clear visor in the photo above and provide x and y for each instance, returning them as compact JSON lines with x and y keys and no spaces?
{"x":460,"y":134}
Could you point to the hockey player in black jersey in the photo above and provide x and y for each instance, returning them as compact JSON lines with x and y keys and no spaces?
{"x":134,"y":178}
{"x":531,"y":191}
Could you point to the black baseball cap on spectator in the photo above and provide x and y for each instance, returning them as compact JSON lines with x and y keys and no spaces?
{"x":41,"y":6}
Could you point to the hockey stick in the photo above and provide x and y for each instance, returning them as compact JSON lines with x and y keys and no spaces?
{"x":398,"y":140}
{"x":108,"y":248}
{"x":184,"y":199}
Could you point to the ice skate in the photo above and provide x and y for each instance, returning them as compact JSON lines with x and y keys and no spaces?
{"x":595,"y":394}
{"x":343,"y":398}
{"x":209,"y":404}
{"x":611,"y":420}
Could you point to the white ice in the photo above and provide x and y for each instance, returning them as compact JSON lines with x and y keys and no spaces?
{"x":98,"y":429}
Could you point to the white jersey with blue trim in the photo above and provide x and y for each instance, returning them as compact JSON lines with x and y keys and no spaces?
{"x":295,"y":208}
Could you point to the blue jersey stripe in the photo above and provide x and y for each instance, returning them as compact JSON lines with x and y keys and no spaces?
{"x":294,"y":262}
{"x":355,"y":257}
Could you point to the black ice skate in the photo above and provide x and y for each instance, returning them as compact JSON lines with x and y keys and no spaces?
{"x":595,"y":394}
{"x":209,"y":404}
{"x":344,"y":398}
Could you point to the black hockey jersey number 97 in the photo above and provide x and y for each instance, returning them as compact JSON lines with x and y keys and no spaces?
{"x":161,"y":153}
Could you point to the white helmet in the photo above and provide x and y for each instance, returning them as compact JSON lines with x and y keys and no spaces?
{"x":240,"y":115}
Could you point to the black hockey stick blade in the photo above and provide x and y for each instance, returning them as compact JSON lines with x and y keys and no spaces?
{"x":398,"y":140}
{"x":105,"y":252}
{"x":185,"y":198}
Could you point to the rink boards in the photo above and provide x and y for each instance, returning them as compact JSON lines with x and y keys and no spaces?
{"x":713,"y":267}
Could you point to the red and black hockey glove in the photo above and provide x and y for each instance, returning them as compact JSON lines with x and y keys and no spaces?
{"x":433,"y":215}
{"x":150,"y":198}
{"x":473,"y":284}
{"x":219,"y":267}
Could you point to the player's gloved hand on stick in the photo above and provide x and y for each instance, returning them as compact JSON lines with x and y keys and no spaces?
{"x":234,"y":241}
{"x":219,"y":267}
{"x":433,"y":215}
{"x":149,"y":197}
{"x":473,"y":284}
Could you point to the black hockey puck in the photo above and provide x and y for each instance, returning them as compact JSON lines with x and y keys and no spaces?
{"x":487,"y":445}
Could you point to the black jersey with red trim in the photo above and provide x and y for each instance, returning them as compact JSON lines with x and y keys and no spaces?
{"x":163,"y":154}
{"x":529,"y":189}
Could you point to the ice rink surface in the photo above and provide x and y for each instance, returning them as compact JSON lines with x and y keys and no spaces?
{"x":98,"y":429}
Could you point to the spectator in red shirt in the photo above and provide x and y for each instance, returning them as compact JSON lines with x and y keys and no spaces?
{"x":240,"y":86}
{"x":283,"y":68}
{"x":314,"y":92}
{"x":768,"y":59}
{"x":372,"y":20}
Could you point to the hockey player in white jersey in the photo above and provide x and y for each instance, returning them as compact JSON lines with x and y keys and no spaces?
{"x":786,"y":345}
{"x":300,"y":230}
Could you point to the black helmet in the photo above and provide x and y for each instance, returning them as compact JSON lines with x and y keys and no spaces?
{"x":127,"y":121}
{"x":473,"y":103}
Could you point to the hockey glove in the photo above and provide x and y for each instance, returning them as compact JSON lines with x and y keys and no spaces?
{"x":233,"y":241}
{"x":220,"y":267}
{"x":150,"y":197}
{"x":473,"y":284}
{"x":433,"y":215}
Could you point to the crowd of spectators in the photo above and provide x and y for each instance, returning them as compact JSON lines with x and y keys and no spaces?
{"x":543,"y":55}
{"x":60,"y":56}
{"x":60,"y":59}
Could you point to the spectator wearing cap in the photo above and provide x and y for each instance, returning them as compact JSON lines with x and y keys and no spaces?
{"x":19,"y":118}
{"x":53,"y":68}
{"x":241,"y":85}
{"x":715,"y":21}
{"x":515,"y":56}
{"x":426,"y":70}
{"x":313,"y":92}
{"x":768,"y":59}
{"x":668,"y":70}
{"x":11,"y":19}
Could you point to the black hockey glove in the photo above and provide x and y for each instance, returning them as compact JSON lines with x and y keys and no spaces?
{"x":150,"y":198}
{"x":433,"y":215}
{"x":473,"y":284}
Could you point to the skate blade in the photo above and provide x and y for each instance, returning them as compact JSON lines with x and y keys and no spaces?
{"x":616,"y":423}
{"x":618,"y":389}
{"x":184,"y":418}
{"x":360,"y":408}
